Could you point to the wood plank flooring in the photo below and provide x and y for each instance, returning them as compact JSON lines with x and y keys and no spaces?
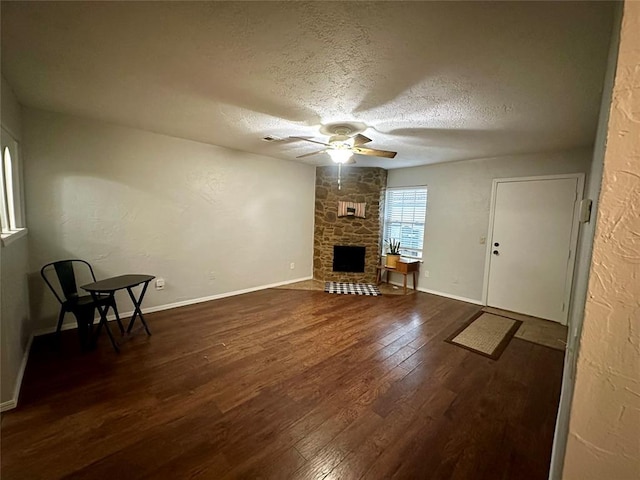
{"x":287,"y":384}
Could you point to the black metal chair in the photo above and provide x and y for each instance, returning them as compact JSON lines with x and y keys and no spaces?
{"x":83,"y":307}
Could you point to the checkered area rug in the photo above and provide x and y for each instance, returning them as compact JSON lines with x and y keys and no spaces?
{"x":352,"y":288}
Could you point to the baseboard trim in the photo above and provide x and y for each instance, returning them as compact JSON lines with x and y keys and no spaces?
{"x":218,"y":296}
{"x":453,"y":297}
{"x":13,"y":403}
{"x":442,"y":294}
{"x":8,"y":405}
{"x":158,"y":308}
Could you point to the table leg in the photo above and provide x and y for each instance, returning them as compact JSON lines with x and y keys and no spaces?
{"x":103,"y":321}
{"x":137,"y":312}
{"x":414,"y":280}
{"x":404,"y":283}
{"x":115,"y":311}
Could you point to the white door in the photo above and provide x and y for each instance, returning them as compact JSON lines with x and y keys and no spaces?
{"x":532,"y":242}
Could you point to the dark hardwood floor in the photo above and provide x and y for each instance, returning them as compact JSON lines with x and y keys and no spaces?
{"x":287,"y":384}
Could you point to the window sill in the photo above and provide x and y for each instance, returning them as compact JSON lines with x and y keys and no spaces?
{"x":12,"y":236}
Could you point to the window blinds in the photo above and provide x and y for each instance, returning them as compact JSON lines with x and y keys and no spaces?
{"x":404,"y":218}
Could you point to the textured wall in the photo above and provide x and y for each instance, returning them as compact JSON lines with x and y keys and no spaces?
{"x":459,"y":196}
{"x":358,"y":185}
{"x":14,"y":263}
{"x":604,"y":429}
{"x":208,"y":219}
{"x":15,"y":325}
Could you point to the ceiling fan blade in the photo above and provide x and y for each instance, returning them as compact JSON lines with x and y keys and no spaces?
{"x":311,"y":154}
{"x":373,"y":152}
{"x":312,"y":141}
{"x":351,"y":161}
{"x":360,"y":140}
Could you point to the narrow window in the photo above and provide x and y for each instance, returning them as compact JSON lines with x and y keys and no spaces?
{"x":4,"y":213}
{"x":8,"y":188}
{"x":11,"y":203}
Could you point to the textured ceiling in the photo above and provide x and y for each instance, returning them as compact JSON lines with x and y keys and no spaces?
{"x":434,"y":81}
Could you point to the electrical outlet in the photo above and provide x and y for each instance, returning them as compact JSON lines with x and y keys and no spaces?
{"x":426,"y":273}
{"x":292,"y":265}
{"x":212,"y":275}
{"x":483,"y":240}
{"x":159,"y":283}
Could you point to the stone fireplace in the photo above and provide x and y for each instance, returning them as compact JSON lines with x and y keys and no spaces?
{"x":359,"y":185}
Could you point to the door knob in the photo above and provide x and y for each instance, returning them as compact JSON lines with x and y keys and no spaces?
{"x":496,"y":252}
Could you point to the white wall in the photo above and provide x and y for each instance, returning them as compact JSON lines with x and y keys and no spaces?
{"x":15,"y":327}
{"x":458,"y":206}
{"x":604,"y":427}
{"x":207,"y":219}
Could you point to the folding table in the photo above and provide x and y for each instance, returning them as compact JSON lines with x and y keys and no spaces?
{"x":110,"y":286}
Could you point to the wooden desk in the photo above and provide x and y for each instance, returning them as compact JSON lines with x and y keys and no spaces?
{"x":404,"y":266}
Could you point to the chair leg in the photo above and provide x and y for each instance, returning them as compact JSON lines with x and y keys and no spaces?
{"x":84,"y":319}
{"x":59,"y":327}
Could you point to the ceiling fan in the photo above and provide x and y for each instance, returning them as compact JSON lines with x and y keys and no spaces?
{"x":342,"y":145}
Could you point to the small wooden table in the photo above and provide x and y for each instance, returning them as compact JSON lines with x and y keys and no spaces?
{"x":404,"y":266}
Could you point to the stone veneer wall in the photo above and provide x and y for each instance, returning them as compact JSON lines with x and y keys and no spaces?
{"x":358,"y":185}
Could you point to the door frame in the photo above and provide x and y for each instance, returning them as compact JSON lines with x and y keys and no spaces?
{"x":575,"y":228}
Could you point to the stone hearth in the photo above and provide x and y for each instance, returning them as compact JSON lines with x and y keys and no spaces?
{"x":358,"y":185}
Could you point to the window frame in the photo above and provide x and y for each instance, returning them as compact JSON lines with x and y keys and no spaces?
{"x":12,"y":201}
{"x":386,"y":221}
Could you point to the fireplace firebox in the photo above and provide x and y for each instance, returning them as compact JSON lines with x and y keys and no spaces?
{"x":348,"y":258}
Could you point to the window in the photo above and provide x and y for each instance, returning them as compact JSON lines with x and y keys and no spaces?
{"x":405,"y":213}
{"x":11,"y":212}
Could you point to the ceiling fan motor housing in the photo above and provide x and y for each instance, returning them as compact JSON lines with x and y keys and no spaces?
{"x":340,"y":141}
{"x":343,"y":128}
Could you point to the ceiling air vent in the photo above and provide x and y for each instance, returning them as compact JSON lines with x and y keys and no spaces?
{"x":272,"y":138}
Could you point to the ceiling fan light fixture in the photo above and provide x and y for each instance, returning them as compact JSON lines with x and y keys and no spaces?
{"x":340,"y":155}
{"x":345,"y":140}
